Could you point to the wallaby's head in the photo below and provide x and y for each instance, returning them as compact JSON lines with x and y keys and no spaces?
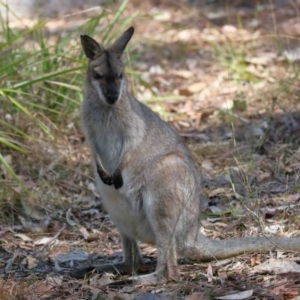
{"x":106,"y":71}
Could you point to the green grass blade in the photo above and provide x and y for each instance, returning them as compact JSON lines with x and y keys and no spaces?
{"x":11,"y":172}
{"x":11,"y":145}
{"x":45,"y":77}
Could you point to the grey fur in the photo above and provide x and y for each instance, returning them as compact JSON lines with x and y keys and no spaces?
{"x":159,"y":200}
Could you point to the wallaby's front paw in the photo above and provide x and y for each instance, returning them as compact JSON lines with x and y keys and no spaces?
{"x":106,"y":179}
{"x":117,"y":179}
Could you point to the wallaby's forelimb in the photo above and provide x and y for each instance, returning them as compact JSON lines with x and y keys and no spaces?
{"x":106,"y":179}
{"x":116,"y":179}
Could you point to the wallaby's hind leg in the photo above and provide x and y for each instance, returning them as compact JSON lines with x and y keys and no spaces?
{"x":166,"y":260}
{"x":173,"y":212}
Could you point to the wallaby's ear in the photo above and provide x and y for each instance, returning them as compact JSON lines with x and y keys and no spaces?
{"x":120,"y":44}
{"x":90,"y":47}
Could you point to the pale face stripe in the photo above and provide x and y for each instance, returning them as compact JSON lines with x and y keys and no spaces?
{"x":97,"y":86}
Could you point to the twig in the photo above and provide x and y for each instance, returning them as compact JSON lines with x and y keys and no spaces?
{"x":54,"y":238}
{"x":231,"y":152}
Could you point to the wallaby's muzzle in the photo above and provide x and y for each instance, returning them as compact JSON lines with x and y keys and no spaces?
{"x":112,"y":97}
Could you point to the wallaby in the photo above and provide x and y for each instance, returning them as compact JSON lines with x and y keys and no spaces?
{"x":145,"y":174}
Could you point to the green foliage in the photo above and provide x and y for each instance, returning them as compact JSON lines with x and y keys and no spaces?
{"x":42,"y":76}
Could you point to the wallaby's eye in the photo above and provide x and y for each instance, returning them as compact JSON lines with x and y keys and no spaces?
{"x":97,"y":76}
{"x":120,"y":76}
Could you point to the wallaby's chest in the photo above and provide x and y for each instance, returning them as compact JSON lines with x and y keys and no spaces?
{"x":109,"y":150}
{"x":108,"y":143}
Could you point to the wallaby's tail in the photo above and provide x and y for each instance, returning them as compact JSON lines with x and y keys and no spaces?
{"x":208,"y":249}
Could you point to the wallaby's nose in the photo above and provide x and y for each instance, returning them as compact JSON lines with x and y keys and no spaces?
{"x":112,"y":97}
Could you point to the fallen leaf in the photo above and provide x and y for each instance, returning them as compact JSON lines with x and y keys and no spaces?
{"x":260,"y":176}
{"x":84,"y":232}
{"x":95,"y":293}
{"x":31,"y":262}
{"x":183,"y":73}
{"x":186,"y":35}
{"x":210,"y":274}
{"x":220,"y":191}
{"x":24,"y":237}
{"x":163,"y":16}
{"x":237,"y":296}
{"x":207,"y":164}
{"x":278,"y":289}
{"x":89,"y":237}
{"x":260,"y":60}
{"x":55,"y":281}
{"x":70,"y":216}
{"x":196,"y":87}
{"x":228,"y":28}
{"x":105,"y":279}
{"x":255,"y":260}
{"x":43,"y":241}
{"x":277,"y":266}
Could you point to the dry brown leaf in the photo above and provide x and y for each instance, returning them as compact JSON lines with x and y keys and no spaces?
{"x":263,"y":59}
{"x":255,"y":260}
{"x":105,"y":279}
{"x":89,"y":236}
{"x":95,"y":293}
{"x":31,"y":262}
{"x":55,"y":281}
{"x":183,"y":73}
{"x":84,"y":232}
{"x":24,"y":237}
{"x":43,"y":241}
{"x":292,"y":197}
{"x":210,"y":274}
{"x":262,"y":175}
{"x":207,"y":165}
{"x":278,"y":289}
{"x":220,"y":191}
{"x":196,"y":87}
{"x":277,"y":266}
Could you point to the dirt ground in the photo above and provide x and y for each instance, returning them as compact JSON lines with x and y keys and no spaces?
{"x":226,"y":78}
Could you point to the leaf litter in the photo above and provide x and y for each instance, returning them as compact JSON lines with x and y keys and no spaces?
{"x":225,"y":94}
